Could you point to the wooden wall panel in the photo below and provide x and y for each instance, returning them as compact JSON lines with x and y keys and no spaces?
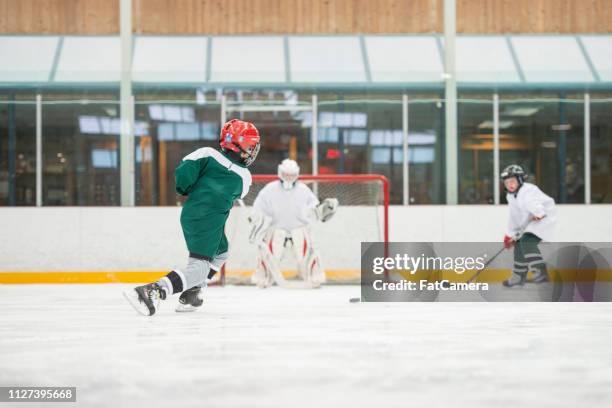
{"x":304,"y":16}
{"x":59,"y":16}
{"x":534,"y":16}
{"x":370,"y":16}
{"x":286,"y":16}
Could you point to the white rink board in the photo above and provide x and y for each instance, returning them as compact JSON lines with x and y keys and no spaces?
{"x":150,"y":238}
{"x":310,"y":348}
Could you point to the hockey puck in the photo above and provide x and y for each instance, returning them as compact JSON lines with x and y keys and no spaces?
{"x":355,"y":300}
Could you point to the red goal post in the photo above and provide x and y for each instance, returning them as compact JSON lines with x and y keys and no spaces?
{"x":357,"y":190}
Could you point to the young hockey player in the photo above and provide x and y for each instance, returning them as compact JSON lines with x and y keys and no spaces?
{"x":532,"y":218}
{"x":212,"y":180}
{"x":281,"y":218}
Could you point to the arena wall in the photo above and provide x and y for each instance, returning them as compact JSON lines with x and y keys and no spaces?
{"x":115,"y":244}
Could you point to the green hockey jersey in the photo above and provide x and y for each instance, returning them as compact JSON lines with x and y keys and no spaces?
{"x":212,"y":182}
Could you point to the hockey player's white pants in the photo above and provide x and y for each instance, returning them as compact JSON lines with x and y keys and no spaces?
{"x":197,"y":273}
{"x":274,"y":246}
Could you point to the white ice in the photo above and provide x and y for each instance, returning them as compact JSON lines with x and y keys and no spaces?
{"x":304,"y":348}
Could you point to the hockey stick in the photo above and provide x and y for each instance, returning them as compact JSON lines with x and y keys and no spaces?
{"x":485,"y":265}
{"x":275,"y":272}
{"x":516,"y":238}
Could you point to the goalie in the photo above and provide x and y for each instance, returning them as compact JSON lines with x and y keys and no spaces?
{"x":280,"y":222}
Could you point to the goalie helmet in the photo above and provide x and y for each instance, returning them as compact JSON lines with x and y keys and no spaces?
{"x":514,"y":170}
{"x":288,"y":172}
{"x":241,"y":138}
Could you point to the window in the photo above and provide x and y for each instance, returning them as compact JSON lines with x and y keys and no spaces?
{"x":426,"y":139}
{"x":485,"y":59}
{"x":248,"y":59}
{"x":89,"y":59}
{"x":172,"y":124}
{"x":598,"y":48}
{"x":27,"y":59}
{"x":601,"y":148}
{"x":326,"y":59}
{"x":80,"y":148}
{"x":170,"y":59}
{"x":404,"y":59}
{"x":17,"y":149}
{"x":361,"y":133}
{"x":545,"y":136}
{"x":475,"y":134}
{"x":551,"y":59}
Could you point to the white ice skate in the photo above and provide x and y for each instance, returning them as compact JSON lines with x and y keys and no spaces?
{"x":516,"y":279}
{"x":145,"y":299}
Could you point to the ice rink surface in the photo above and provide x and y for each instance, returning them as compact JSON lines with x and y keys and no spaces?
{"x":304,"y":348}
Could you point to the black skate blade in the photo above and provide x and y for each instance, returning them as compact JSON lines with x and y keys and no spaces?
{"x":134,"y":300}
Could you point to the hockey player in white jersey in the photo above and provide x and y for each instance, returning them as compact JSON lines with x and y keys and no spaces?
{"x":280,"y":225}
{"x":532,"y":219}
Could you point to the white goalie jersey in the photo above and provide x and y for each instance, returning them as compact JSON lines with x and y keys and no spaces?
{"x":286,"y":209}
{"x":280,"y":226}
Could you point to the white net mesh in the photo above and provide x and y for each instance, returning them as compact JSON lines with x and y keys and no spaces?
{"x":360,"y":218}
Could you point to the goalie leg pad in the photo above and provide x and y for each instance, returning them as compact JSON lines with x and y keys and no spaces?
{"x":260,"y":224}
{"x":309,"y":263}
{"x":268,"y":262}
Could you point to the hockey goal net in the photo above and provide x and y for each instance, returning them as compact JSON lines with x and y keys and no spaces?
{"x":362,"y":216}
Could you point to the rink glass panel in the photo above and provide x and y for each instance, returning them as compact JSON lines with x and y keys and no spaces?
{"x":601,"y":148}
{"x":544,"y":133}
{"x":361,"y":133}
{"x":475,"y":138}
{"x":17,"y":149}
{"x":426,"y":149}
{"x":80,"y":148}
{"x":172,"y":125}
{"x":539,"y":130}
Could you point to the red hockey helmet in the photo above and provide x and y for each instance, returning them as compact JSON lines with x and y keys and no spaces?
{"x":242,"y":138}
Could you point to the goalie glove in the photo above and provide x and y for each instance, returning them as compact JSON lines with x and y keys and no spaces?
{"x":326,"y":210}
{"x":259,"y":225}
